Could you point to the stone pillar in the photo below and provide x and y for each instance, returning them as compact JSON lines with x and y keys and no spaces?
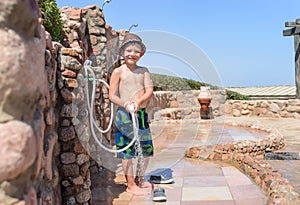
{"x":73,"y":131}
{"x":295,"y":31}
{"x":87,"y":37}
{"x":297,"y":64}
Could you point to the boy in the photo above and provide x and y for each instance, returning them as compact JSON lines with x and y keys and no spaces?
{"x":131,"y":85}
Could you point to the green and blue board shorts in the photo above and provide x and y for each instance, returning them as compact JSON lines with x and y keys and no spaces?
{"x":124,"y":134}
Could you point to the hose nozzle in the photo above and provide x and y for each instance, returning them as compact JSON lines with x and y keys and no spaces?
{"x":131,"y":108}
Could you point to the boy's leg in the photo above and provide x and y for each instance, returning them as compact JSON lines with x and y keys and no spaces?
{"x":131,"y":185}
{"x":146,"y":146}
{"x":139,"y":179}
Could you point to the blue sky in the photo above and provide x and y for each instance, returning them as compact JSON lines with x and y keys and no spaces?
{"x":242,"y":39}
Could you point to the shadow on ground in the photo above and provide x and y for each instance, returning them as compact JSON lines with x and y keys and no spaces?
{"x":104,"y":188}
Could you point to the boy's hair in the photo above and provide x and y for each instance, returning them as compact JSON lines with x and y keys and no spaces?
{"x":131,"y":38}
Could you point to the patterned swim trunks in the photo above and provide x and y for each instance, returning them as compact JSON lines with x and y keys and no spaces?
{"x":124,"y":134}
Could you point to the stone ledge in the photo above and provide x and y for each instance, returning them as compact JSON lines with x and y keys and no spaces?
{"x":246,"y":156}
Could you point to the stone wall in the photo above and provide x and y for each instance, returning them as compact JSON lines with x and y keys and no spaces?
{"x":44,"y":127}
{"x":28,"y":98}
{"x":184,"y":105}
{"x":175,"y":105}
{"x":87,"y":37}
{"x":264,"y":108}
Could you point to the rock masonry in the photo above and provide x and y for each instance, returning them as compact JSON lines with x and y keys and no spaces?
{"x":88,"y":37}
{"x":184,"y":105}
{"x":178,"y":105}
{"x":28,"y":96}
{"x":264,"y":108}
{"x":46,"y":144}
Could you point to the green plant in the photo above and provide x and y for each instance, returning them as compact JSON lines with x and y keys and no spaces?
{"x":51,"y":18}
{"x":172,"y":83}
{"x":231,"y":95}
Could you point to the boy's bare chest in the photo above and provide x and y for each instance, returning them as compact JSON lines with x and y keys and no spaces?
{"x":132,"y":77}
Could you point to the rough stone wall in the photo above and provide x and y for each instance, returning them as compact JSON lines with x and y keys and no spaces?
{"x":264,"y":108}
{"x":72,"y":131}
{"x":28,"y":121}
{"x":184,"y":105}
{"x":44,"y":127}
{"x":87,"y":37}
{"x":170,"y":105}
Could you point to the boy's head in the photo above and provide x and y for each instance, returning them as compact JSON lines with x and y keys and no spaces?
{"x":130,"y":39}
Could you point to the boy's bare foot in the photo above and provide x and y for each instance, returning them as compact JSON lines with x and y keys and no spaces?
{"x":137,"y":191}
{"x":145,"y":185}
{"x":141,"y":183}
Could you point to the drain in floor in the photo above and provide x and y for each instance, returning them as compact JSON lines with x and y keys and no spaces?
{"x":282,"y":156}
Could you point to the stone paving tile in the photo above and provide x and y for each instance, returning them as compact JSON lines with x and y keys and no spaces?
{"x":119,"y":203}
{"x":231,"y":171}
{"x":204,"y":181}
{"x":166,"y":203}
{"x":221,"y":202}
{"x":178,"y":172}
{"x":169,"y":203}
{"x":237,"y":180}
{"x":257,"y":201}
{"x":202,"y":171}
{"x":206,"y":193}
{"x":140,"y":202}
{"x":174,"y":194}
{"x":247,"y":192}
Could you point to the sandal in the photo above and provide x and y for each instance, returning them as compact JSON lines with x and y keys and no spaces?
{"x":161,"y":179}
{"x":159,"y":195}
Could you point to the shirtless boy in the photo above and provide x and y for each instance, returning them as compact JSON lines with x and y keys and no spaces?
{"x":131,"y":84}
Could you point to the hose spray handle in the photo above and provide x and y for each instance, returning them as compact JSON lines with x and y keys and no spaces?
{"x":131,"y":108}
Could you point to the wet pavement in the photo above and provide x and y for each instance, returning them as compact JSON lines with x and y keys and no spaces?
{"x":197,"y":181}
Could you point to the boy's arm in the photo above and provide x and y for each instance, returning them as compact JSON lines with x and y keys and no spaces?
{"x":114,"y":88}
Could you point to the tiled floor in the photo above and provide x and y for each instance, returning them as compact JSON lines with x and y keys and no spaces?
{"x":195,"y":181}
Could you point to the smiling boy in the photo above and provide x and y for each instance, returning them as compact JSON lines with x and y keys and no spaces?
{"x":131,"y":84}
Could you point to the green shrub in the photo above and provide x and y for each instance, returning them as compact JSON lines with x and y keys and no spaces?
{"x":172,"y":83}
{"x":51,"y":20}
{"x":231,"y":95}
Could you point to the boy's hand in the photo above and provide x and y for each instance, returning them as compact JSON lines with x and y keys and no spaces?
{"x":136,"y":106}
{"x":131,"y":108}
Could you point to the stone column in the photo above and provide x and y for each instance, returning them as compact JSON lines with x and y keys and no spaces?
{"x":295,"y":31}
{"x":297,"y":64}
{"x":73,"y":130}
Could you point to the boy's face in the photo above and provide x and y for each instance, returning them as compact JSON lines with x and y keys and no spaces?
{"x":132,"y":53}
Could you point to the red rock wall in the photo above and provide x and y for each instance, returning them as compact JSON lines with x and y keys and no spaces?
{"x":28,"y":98}
{"x":264,"y":108}
{"x":46,"y":143}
